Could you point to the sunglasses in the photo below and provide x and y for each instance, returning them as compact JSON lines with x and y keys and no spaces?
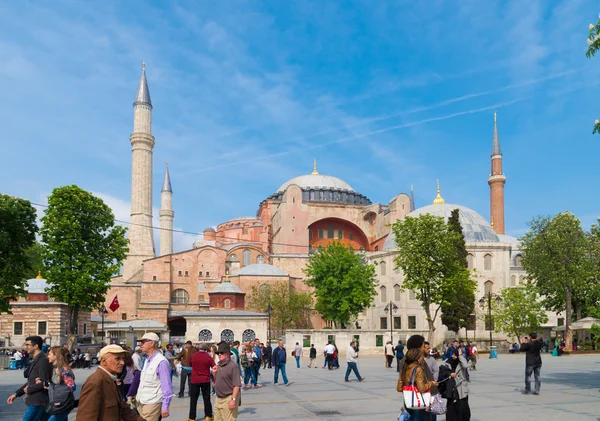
{"x":220,"y":353}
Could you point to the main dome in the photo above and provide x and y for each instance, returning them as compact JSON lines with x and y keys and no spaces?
{"x":475,"y":228}
{"x":317,"y":181}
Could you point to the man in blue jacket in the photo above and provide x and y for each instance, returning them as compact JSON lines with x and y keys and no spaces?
{"x":399,"y":354}
{"x":279,"y":360}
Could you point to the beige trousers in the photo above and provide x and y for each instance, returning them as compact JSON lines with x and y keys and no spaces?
{"x":222,"y":411}
{"x":150,"y":411}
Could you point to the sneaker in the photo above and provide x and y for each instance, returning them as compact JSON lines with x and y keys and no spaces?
{"x":347,"y":381}
{"x":361,"y":379}
{"x":256,"y":386}
{"x":288,"y":383}
{"x":526,"y":392}
{"x":536,"y":393}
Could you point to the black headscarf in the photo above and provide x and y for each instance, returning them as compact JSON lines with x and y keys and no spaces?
{"x":453,"y":362}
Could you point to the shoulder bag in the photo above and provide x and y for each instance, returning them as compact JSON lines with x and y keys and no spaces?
{"x":413,"y":399}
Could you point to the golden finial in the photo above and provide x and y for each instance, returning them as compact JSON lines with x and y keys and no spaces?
{"x":492,"y":221}
{"x":39,"y":275}
{"x":315,"y":167}
{"x":227,"y":276}
{"x":438,"y":199}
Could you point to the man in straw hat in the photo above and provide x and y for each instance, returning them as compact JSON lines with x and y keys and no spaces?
{"x":155,"y":391}
{"x":227,"y":385}
{"x":100,"y":398}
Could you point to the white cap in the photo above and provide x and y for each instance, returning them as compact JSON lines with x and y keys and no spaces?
{"x":138,"y":348}
{"x":150,"y":336}
{"x":112,"y":349}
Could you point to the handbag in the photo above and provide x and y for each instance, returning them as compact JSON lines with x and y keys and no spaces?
{"x":438,"y":404}
{"x":413,"y":399}
{"x":61,"y":399}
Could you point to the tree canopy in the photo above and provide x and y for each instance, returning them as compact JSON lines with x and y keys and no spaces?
{"x":519,"y":311}
{"x":344,"y":284}
{"x":17,"y":234}
{"x":593,"y":47}
{"x":290,"y":309}
{"x":83,"y":248}
{"x":428,"y":257}
{"x":557,"y":257}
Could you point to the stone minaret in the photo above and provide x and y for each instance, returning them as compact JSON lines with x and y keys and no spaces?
{"x":496,"y":181}
{"x":141,"y":240}
{"x":166,"y":216}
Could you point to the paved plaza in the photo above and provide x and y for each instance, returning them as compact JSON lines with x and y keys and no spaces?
{"x":570,"y":391}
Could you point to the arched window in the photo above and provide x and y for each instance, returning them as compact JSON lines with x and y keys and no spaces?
{"x":227,"y":335}
{"x":233,"y":258}
{"x":248,"y":335}
{"x":180,"y":296}
{"x":396,"y":292}
{"x":470,"y":261}
{"x":227,"y":303}
{"x":383,"y":294}
{"x":264,"y":288}
{"x":383,"y":269}
{"x":518,"y":261}
{"x":260,"y":259}
{"x":487,"y":262}
{"x":205,"y":335}
{"x":246,"y":258}
{"x":488,"y":287}
{"x":513,"y":281}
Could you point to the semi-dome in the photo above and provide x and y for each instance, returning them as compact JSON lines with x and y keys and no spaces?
{"x":261,"y":269}
{"x":227,"y":288}
{"x":475,"y":228}
{"x":317,"y":181}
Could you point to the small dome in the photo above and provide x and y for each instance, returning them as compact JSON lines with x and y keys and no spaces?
{"x":306,"y":182}
{"x":475,"y":228}
{"x":227,"y":287}
{"x":209,"y":229}
{"x":261,"y":269}
{"x":37,"y":286}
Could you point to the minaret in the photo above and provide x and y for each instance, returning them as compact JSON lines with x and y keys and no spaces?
{"x":166,"y":216}
{"x":496,"y":181}
{"x":412,"y":199}
{"x":141,"y":240}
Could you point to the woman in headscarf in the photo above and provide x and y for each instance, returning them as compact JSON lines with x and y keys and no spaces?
{"x":413,"y":359}
{"x":458,"y":405}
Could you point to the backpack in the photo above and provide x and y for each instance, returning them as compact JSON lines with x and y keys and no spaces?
{"x":470,"y":351}
{"x":61,"y":399}
{"x":245,"y":362}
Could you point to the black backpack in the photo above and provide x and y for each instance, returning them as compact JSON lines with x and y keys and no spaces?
{"x":61,"y":399}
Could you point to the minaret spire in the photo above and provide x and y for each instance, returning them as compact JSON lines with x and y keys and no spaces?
{"x":412,"y":199}
{"x":496,"y":181}
{"x":140,"y":236}
{"x":438,"y":199}
{"x":166,"y":215}
{"x":315,"y":167}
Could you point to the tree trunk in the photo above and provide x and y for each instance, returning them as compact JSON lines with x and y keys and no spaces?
{"x":568,"y":317}
{"x":430,"y":324}
{"x":72,"y":338}
{"x":580,"y":337}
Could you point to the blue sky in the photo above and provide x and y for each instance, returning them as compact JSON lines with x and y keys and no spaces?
{"x":383,"y":94}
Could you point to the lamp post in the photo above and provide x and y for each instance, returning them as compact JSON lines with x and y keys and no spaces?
{"x":487,"y":298}
{"x":8,"y":338}
{"x":269,"y":310}
{"x":50,"y":337}
{"x":103,"y":312}
{"x":392,"y":309}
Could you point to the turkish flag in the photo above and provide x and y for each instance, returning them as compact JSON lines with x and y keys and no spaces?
{"x":115,"y":304}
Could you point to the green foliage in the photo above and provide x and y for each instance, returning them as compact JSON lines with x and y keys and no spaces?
{"x":593,"y":47}
{"x":83,"y":248}
{"x":428,"y":257}
{"x":290,"y":309}
{"x":519,"y":311}
{"x":17,"y":234}
{"x":36,"y":261}
{"x":458,"y":303}
{"x":556,"y":254}
{"x":344,"y":285}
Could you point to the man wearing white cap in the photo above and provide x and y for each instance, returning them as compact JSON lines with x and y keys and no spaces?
{"x":137,"y":358}
{"x":155,"y":391}
{"x":100,"y":398}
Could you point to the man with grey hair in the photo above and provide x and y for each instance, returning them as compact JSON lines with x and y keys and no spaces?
{"x":155,"y":390}
{"x":201,"y":363}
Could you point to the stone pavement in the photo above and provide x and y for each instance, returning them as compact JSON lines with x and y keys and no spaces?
{"x":570,"y":391}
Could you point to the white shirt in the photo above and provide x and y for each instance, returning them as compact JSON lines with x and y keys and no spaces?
{"x":137,"y":361}
{"x":17,"y":356}
{"x":351,"y":355}
{"x":474,"y":349}
{"x":389,"y":349}
{"x":329,"y":349}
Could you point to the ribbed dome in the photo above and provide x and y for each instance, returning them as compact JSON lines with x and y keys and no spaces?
{"x":475,"y":228}
{"x":306,"y":182}
{"x":261,"y":269}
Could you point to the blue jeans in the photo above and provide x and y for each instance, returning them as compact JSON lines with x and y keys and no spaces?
{"x":63,"y":416}
{"x":352,"y":367}
{"x":35,"y":413}
{"x":535,"y":370}
{"x":297,"y":361}
{"x":280,"y":366}
{"x":250,"y":375}
{"x":419,"y":415}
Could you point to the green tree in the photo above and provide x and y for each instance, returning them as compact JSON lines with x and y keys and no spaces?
{"x":458,"y":304}
{"x":36,"y":261}
{"x":83,"y":249}
{"x":427,"y":256}
{"x":519,"y":311}
{"x":593,"y":47}
{"x":344,"y":285}
{"x":555,"y":254}
{"x":290,"y":309}
{"x":17,"y":233}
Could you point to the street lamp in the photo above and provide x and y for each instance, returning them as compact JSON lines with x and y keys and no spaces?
{"x":392,"y":309}
{"x":269,"y":310}
{"x":103,"y":312}
{"x":488,"y":298}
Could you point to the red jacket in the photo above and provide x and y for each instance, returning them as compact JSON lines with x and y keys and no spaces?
{"x":201,"y":364}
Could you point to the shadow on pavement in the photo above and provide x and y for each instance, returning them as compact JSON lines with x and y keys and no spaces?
{"x":586,"y":380}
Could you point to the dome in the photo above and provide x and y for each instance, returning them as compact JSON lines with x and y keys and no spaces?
{"x":37,"y":286}
{"x":261,"y":269}
{"x":209,"y":229}
{"x":227,"y":287}
{"x":306,"y":182}
{"x":475,"y":228}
